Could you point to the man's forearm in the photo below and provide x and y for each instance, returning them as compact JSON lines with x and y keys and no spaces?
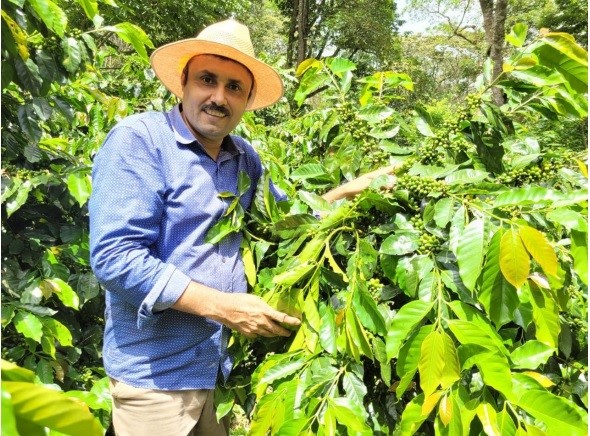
{"x":245,"y":313}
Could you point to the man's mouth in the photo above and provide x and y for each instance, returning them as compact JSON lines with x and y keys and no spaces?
{"x":216,"y":111}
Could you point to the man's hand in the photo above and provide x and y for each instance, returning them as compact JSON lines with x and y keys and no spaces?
{"x":252,"y":317}
{"x":245,"y":313}
{"x":354,"y":187}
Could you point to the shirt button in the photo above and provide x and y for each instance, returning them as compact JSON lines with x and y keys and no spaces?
{"x":223,"y":260}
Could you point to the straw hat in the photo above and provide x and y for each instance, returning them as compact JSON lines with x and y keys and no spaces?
{"x":226,"y":38}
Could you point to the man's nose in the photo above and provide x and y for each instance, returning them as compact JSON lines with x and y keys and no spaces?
{"x":218,"y":96}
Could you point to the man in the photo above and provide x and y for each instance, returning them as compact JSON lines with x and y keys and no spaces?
{"x":172,"y":299}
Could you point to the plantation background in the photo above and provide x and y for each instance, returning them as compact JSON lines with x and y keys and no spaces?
{"x":454,"y":303}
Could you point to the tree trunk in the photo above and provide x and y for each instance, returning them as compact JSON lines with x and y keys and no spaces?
{"x":497,"y":49}
{"x":301,"y":31}
{"x":292,"y":30}
{"x":494,"y":22}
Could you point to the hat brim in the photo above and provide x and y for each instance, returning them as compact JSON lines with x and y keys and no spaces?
{"x":169,"y":60}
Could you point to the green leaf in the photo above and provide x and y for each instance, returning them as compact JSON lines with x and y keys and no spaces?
{"x":536,"y":195}
{"x":355,"y":388}
{"x":444,"y":211}
{"x":579,"y":252}
{"x":408,"y":317}
{"x":29,"y":123}
{"x":431,"y":362}
{"x":545,"y":316}
{"x":539,"y":248}
{"x":375,"y":113}
{"x":310,"y":82}
{"x":570,"y":219}
{"x":457,"y":227}
{"x":399,"y":244}
{"x":58,"y":331}
{"x":48,"y":408}
{"x":482,"y":329}
{"x":80,"y":185}
{"x":90,"y":7}
{"x":314,"y":201}
{"x":72,"y":54}
{"x":412,"y":417}
{"x":409,"y":355}
{"x":514,"y":260}
{"x":282,"y":370}
{"x":466,"y":176}
{"x":470,"y":252}
{"x":559,"y":415}
{"x":310,"y":170}
{"x":328,"y":329}
{"x":220,"y":230}
{"x":468,"y":332}
{"x":559,"y":52}
{"x":506,"y":424}
{"x":133,"y":35}
{"x":29,"y":325}
{"x":340,"y":65}
{"x":357,"y":335}
{"x":498,"y":297}
{"x":539,"y":76}
{"x":293,"y":275}
{"x":8,"y":418}
{"x":367,"y":312}
{"x":28,"y":75}
{"x":517,"y":35}
{"x":294,"y":225}
{"x":52,"y":15}
{"x":350,"y":415}
{"x":63,"y":291}
{"x":15,"y":202}
{"x":531,"y":355}
{"x":494,"y":368}
{"x":423,"y":127}
{"x":13,"y":372}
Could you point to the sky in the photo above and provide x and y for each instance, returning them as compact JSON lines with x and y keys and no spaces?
{"x":421,"y":21}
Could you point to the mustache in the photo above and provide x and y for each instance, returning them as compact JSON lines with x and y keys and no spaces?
{"x":217,"y":108}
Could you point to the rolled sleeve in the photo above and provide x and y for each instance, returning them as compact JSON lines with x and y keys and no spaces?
{"x":167,"y":290}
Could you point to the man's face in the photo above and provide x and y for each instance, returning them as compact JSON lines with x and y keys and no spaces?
{"x":215,"y":95}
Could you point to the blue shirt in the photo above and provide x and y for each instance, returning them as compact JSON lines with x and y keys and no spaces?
{"x":155,"y":196}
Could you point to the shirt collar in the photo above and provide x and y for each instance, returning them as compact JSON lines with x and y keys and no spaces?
{"x":183,"y":135}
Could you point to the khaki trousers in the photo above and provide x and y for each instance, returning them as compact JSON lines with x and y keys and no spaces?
{"x":142,"y":412}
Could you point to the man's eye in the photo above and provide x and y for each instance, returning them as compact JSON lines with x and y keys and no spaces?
{"x":207,"y":79}
{"x":235,"y":87}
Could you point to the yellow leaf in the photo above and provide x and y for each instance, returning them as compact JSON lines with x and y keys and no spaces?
{"x":543,"y":380}
{"x":540,"y":249}
{"x":430,"y":402}
{"x":249,"y":265}
{"x":431,"y":363}
{"x":514,"y":259}
{"x":489,"y":419}
{"x":445,"y":410}
{"x":507,"y":68}
{"x":583,"y":168}
{"x":451,"y":370}
{"x":333,"y":263}
{"x":307,"y":64}
{"x":19,"y":35}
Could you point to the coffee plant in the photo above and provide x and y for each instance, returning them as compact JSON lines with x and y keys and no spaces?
{"x":57,"y":107}
{"x":454,"y":302}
